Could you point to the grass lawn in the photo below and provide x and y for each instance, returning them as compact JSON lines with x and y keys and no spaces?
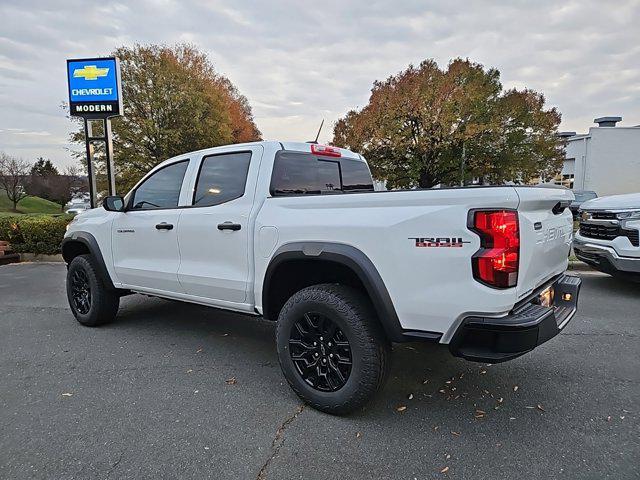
{"x":28,"y":205}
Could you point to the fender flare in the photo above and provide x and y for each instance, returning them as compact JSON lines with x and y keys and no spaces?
{"x":350,"y":257}
{"x":90,"y":242}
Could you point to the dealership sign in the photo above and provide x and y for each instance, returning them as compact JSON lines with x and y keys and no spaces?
{"x":94,"y":87}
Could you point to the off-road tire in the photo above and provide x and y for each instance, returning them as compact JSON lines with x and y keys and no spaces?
{"x":104,"y":302}
{"x":352,"y":312}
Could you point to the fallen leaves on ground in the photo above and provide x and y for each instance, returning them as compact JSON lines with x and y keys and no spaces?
{"x":540,"y":407}
{"x":231,"y":381}
{"x":457,"y":434}
{"x":444,"y":470}
{"x":401,"y":408}
{"x":199,"y":350}
{"x":410,"y":397}
{"x":358,"y":434}
{"x":515,"y":388}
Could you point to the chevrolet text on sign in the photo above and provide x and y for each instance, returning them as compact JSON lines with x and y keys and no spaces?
{"x":94,"y":87}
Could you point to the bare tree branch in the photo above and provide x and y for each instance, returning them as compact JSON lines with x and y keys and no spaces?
{"x":13,"y":178}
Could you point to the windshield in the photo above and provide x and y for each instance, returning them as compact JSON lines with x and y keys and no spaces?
{"x":584,"y":196}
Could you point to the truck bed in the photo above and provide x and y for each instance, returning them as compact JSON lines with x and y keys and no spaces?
{"x":428,"y":286}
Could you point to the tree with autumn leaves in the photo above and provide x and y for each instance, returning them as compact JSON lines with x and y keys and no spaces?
{"x":422,"y":127}
{"x":174,"y":102}
{"x":427,"y":126}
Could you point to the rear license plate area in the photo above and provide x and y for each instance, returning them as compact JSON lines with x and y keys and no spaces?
{"x":547,"y":296}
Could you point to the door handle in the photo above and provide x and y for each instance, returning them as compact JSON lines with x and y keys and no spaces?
{"x":229,"y":226}
{"x":164,"y":226}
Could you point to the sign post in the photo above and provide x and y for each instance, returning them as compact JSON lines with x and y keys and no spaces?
{"x":95,"y":94}
{"x":91,"y":171}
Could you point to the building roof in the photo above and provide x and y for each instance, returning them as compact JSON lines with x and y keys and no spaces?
{"x":607,"y":121}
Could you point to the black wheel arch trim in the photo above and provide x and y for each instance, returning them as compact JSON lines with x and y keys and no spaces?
{"x":89,"y":241}
{"x":353,"y":258}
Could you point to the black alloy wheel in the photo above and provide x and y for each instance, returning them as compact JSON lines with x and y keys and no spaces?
{"x":81,"y":291}
{"x":331,"y":347}
{"x":320,"y":352}
{"x":92,"y":302}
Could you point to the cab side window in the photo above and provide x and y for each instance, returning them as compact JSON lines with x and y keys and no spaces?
{"x":161,"y":189}
{"x":222,"y":178}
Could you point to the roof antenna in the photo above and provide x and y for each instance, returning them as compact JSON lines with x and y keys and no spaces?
{"x":318,"y":134}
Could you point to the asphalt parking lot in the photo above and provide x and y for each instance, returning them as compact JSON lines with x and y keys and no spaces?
{"x":181,"y":391}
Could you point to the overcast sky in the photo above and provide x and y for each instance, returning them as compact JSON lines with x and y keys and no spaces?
{"x":298,"y":64}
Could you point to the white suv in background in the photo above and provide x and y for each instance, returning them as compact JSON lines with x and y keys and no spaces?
{"x":609,"y":235}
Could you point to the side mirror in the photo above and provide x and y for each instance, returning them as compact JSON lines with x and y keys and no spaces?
{"x":114,"y":203}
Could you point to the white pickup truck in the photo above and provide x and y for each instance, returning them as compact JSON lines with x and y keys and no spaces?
{"x":294,"y":232}
{"x":609,"y":235}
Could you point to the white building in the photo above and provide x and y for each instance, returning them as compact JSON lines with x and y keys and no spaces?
{"x":605,"y":160}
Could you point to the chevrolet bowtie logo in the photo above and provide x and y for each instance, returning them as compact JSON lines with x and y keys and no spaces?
{"x":90,"y":72}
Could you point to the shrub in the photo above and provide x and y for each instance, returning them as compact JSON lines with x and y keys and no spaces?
{"x":40,"y":234}
{"x":9,"y":229}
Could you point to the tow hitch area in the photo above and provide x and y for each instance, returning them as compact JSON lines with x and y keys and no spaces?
{"x":494,"y":340}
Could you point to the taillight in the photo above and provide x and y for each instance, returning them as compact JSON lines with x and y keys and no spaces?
{"x":325,"y":150}
{"x":496,"y":263}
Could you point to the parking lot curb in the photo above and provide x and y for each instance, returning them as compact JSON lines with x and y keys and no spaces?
{"x":37,"y":258}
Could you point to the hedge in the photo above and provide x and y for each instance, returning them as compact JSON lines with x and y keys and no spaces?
{"x":40,"y":234}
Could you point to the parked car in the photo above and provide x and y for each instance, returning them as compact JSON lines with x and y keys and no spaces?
{"x":581,"y":197}
{"x":294,"y":232}
{"x":609,"y":235}
{"x":77,"y":207}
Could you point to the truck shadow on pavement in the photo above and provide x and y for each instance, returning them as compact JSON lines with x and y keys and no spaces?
{"x":423,"y":376}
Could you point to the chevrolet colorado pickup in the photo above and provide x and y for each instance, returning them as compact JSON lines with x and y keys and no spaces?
{"x":294,"y":232}
{"x":609,"y":235}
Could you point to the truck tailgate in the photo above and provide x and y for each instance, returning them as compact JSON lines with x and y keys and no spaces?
{"x":546,"y":232}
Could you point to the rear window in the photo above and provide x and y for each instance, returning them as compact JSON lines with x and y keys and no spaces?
{"x":355,"y":176}
{"x":297,"y":173}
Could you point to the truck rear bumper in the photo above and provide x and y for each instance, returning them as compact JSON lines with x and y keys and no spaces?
{"x":494,"y":340}
{"x":604,"y":258}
